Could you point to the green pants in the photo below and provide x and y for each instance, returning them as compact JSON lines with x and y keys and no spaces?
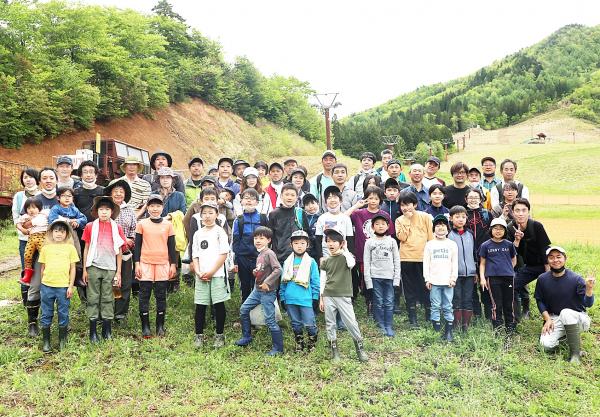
{"x":100,"y":299}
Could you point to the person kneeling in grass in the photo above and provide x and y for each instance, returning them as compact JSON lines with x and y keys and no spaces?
{"x":562,"y":297}
{"x":209,"y":252}
{"x":299,"y":287}
{"x":266,"y":275}
{"x":440,"y":269}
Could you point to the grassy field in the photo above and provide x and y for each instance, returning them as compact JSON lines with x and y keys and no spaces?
{"x":411,"y":374}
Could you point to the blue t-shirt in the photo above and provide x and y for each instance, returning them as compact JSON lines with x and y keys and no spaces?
{"x":498,"y":258}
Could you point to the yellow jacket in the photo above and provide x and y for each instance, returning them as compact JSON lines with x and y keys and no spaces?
{"x":413,"y":234}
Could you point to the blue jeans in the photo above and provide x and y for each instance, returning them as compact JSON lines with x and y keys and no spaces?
{"x":267,"y":300}
{"x":302,"y":316}
{"x":441,"y":301}
{"x":383,"y":299}
{"x":49,"y":296}
{"x":22,"y":244}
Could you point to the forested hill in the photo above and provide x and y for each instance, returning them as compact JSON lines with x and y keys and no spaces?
{"x":563,"y":69}
{"x":64,"y":66}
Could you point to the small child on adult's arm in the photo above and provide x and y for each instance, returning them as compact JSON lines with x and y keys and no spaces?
{"x":36,"y":234}
{"x":440,"y":269}
{"x":382,"y":273}
{"x":299,"y":288}
{"x":67,"y":210}
{"x":267,"y":275}
{"x":336,"y":292}
{"x":57,"y":258}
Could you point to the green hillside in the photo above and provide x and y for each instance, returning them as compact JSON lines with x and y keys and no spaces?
{"x":560,"y":70}
{"x":64,"y":66}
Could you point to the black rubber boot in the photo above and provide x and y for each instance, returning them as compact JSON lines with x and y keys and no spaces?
{"x":335,"y":353}
{"x":448,"y":336}
{"x":32,"y":316}
{"x":160,"y":324}
{"x":427,"y":313}
{"x":437,"y":326}
{"x":24,"y":292}
{"x":525,"y":306}
{"x":574,"y":341}
{"x":46,"y":348}
{"x":311,"y":342}
{"x":397,"y":294}
{"x":412,"y":316}
{"x":145,"y":319}
{"x":299,"y":338}
{"x":93,"y":331}
{"x":360,"y":351}
{"x":107,"y":329}
{"x":62,"y":337}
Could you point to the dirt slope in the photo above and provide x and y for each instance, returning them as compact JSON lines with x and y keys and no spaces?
{"x":185,"y":129}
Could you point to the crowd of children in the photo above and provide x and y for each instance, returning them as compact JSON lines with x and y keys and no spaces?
{"x":307,"y":246}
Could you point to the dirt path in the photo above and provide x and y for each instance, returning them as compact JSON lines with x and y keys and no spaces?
{"x":9,"y":264}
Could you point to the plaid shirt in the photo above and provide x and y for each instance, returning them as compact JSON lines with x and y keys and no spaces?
{"x":126,"y":219}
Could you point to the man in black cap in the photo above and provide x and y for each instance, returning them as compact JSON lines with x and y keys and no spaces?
{"x":238,"y":170}
{"x":158,"y":160}
{"x":324,"y":179}
{"x":225,"y":170}
{"x":367,"y":162}
{"x":193,"y":185}
{"x":64,"y":170}
{"x":432,"y":166}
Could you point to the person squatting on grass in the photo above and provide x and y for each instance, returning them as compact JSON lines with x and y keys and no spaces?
{"x":300,"y":285}
{"x":440,"y":270}
{"x":58,"y":257}
{"x":562,"y":297}
{"x":467,"y":268}
{"x":155,"y":259}
{"x":267,"y":275}
{"x":209,"y":252}
{"x":104,"y":241}
{"x":382,"y":273}
{"x":336,"y":292}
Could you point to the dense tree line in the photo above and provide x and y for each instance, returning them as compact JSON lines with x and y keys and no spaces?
{"x":560,"y":69}
{"x":64,"y":65}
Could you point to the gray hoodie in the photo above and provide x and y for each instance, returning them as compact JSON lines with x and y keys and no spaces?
{"x":466,"y":252}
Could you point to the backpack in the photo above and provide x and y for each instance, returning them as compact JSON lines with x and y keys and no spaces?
{"x":356,"y":179}
{"x":240,"y":219}
{"x":319,"y":185}
{"x":299,"y":217}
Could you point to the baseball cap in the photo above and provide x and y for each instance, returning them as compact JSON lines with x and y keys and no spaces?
{"x":298,"y":171}
{"x":289,"y":160}
{"x":379,"y":216}
{"x":369,"y":155}
{"x":241,"y":162}
{"x":225,"y":159}
{"x":209,"y":204}
{"x":335,"y":229}
{"x":194,"y":160}
{"x":434,"y":159}
{"x":64,"y":160}
{"x":275,"y":165}
{"x":475,"y":169}
{"x":499,"y":221}
{"x":440,"y":218}
{"x":394,"y":161}
{"x":250,"y":171}
{"x":299,"y":234}
{"x":557,"y":248}
{"x":328,"y":152}
{"x":155,"y":198}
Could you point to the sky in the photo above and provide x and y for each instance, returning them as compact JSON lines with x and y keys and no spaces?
{"x":372,"y":51}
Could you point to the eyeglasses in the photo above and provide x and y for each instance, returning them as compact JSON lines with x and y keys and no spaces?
{"x":473,"y":198}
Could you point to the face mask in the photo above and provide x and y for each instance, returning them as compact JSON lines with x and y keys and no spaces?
{"x":558,"y":270}
{"x":334,"y":210}
{"x":379,"y":234}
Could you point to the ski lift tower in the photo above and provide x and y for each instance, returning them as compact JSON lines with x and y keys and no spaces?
{"x":327,"y":101}
{"x":390,"y":141}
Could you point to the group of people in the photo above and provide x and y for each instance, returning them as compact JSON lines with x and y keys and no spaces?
{"x":305,"y":245}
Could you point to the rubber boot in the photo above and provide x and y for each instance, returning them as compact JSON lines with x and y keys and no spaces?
{"x":32,"y":318}
{"x":46,"y":348}
{"x":335,"y":353}
{"x":62,"y":337}
{"x":360,"y":351}
{"x":107,"y":329}
{"x":388,"y":320}
{"x":412,"y":316}
{"x":458,"y":318}
{"x":277,"y":339}
{"x":24,"y":292}
{"x":93,"y":331}
{"x":299,"y":338}
{"x":397,"y":294}
{"x":246,"y":331}
{"x":574,"y":341}
{"x":160,"y":324}
{"x":219,"y":341}
{"x":145,"y":319}
{"x":525,"y":306}
{"x":448,"y":336}
{"x":199,"y":341}
{"x":466,"y":319}
{"x":311,"y":342}
{"x":427,"y":313}
{"x":437,"y":326}
{"x":27,"y":274}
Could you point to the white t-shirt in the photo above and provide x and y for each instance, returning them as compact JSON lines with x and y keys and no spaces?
{"x":208,"y":244}
{"x":328,"y":220}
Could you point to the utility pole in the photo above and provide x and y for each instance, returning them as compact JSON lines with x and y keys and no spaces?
{"x":327,"y":101}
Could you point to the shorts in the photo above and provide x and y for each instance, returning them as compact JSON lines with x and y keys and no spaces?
{"x":155,"y":272}
{"x":211,"y":292}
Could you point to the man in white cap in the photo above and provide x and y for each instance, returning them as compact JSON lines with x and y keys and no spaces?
{"x":562,"y":297}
